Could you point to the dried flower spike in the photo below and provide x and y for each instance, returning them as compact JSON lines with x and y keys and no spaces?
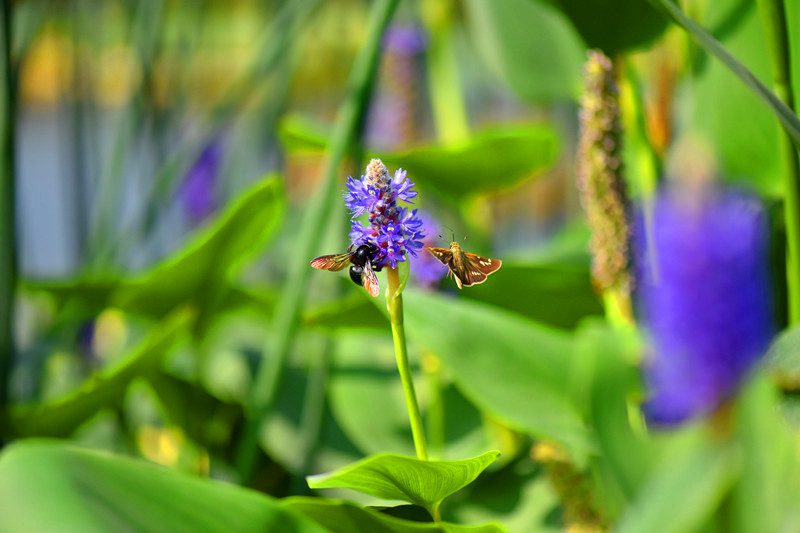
{"x":599,"y":169}
{"x":396,"y":231}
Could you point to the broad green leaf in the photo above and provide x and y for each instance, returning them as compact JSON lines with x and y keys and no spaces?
{"x":353,"y":311}
{"x":613,"y":25}
{"x":61,"y":417}
{"x":509,"y":366}
{"x":366,"y":397}
{"x":397,"y":477}
{"x":556,"y":293}
{"x":685,"y":489}
{"x":200,"y":273}
{"x":766,"y":496}
{"x":784,"y":359}
{"x":787,"y":118}
{"x":345,"y":517}
{"x":50,"y":486}
{"x":282,"y":435}
{"x":608,"y":384}
{"x":204,"y":418}
{"x":520,"y":496}
{"x":511,"y":36}
{"x":745,"y":143}
{"x":493,"y":160}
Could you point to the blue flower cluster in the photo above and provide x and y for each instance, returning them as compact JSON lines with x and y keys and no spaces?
{"x":395,"y":230}
{"x":705,"y":290}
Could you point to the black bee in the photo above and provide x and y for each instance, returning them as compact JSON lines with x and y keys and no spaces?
{"x":360,"y":261}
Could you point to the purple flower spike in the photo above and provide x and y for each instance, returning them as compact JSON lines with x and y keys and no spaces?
{"x":705,"y":291}
{"x":197,"y":192}
{"x":428,"y":271}
{"x":407,"y":39}
{"x":396,"y":231}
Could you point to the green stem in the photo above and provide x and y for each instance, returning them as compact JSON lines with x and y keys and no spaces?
{"x":773,"y":15}
{"x":349,"y":121}
{"x":394,"y":301}
{"x":435,"y":415}
{"x":447,"y":98}
{"x":8,"y":242}
{"x":313,"y":416}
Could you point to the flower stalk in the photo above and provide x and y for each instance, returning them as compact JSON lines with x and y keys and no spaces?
{"x":773,"y":14}
{"x":348,"y":125}
{"x":602,"y":188}
{"x":394,"y":302}
{"x":8,"y":242}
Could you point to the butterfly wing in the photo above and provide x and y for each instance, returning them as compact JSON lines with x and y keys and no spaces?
{"x":332,"y":262}
{"x":445,"y":256}
{"x":476,"y":268}
{"x":370,"y":281}
{"x":442,"y":254}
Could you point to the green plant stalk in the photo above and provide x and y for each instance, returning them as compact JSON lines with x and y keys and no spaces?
{"x":313,"y":415}
{"x":394,"y":302}
{"x":435,"y":415}
{"x":102,"y":245}
{"x":789,"y":119}
{"x":447,"y":98}
{"x":773,"y":15}
{"x":8,"y":241}
{"x":349,"y":121}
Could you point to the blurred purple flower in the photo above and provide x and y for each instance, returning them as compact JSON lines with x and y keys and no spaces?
{"x":395,"y":230}
{"x":705,"y":292}
{"x":405,"y":38}
{"x":427,"y":270}
{"x":397,"y":114}
{"x":197,"y":192}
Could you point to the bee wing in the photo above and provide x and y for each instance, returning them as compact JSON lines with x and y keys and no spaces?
{"x":332,"y":262}
{"x":370,"y":281}
{"x":476,"y":268}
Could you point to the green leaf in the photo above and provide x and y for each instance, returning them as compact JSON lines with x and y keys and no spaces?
{"x":608,"y":382}
{"x":613,"y":25}
{"x":107,"y":388}
{"x":200,"y":273}
{"x":282,"y":434}
{"x":520,"y":496}
{"x":685,"y":489}
{"x":397,"y":477}
{"x":510,"y":36}
{"x":509,"y":366}
{"x":765,"y":499}
{"x":345,"y":517}
{"x":203,"y":267}
{"x":49,"y":486}
{"x":353,"y":311}
{"x":784,"y":359}
{"x":785,"y":115}
{"x":557,"y":293}
{"x":366,"y":397}
{"x":493,"y":160}
{"x":746,"y":143}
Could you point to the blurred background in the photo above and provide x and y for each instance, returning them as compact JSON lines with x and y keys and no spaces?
{"x":167,"y":156}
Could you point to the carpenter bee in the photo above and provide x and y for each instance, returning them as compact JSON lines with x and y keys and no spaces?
{"x":360,"y":261}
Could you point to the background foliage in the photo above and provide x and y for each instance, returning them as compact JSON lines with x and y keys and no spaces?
{"x":173,"y":364}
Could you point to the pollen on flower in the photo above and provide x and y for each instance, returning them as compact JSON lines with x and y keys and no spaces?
{"x":396,"y":231}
